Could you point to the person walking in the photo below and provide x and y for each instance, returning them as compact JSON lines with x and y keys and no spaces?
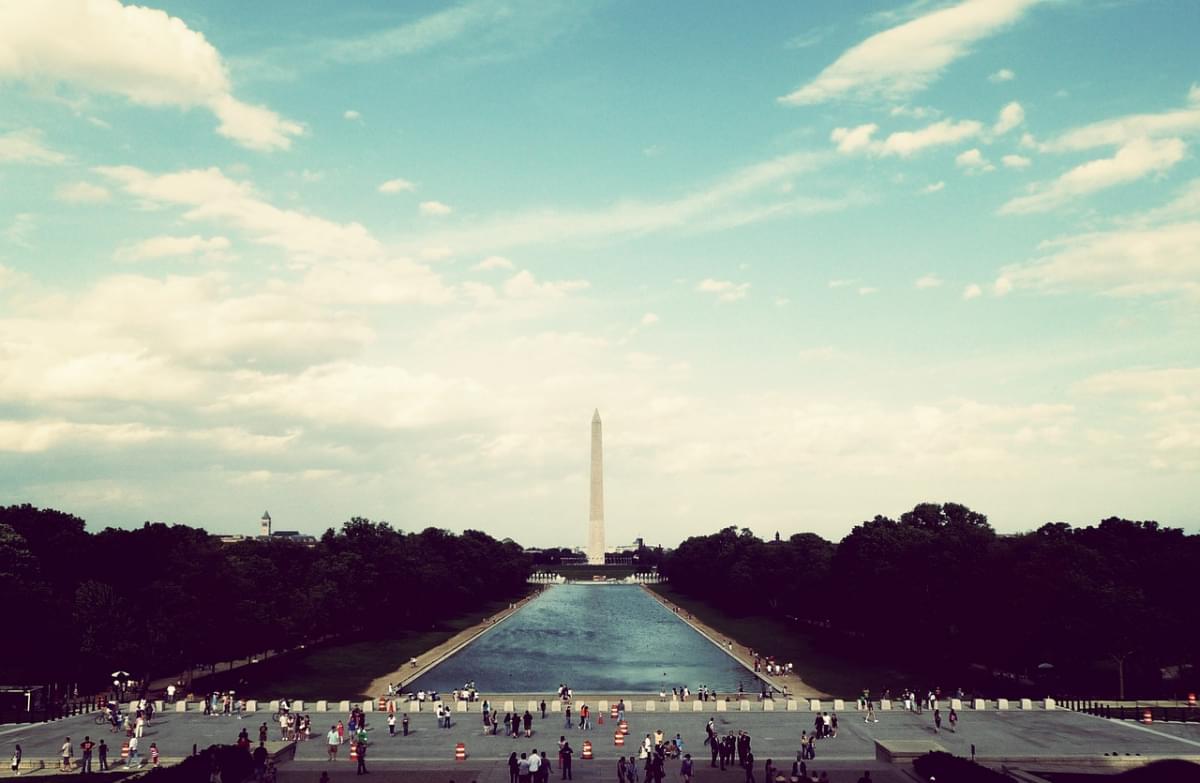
{"x":953,"y":717}
{"x":937,"y":720}
{"x":685,"y":768}
{"x":133,"y":754}
{"x":67,"y":751}
{"x":361,"y":749}
{"x":153,"y":754}
{"x":404,"y":724}
{"x":391,"y":720}
{"x":102,"y":751}
{"x":567,"y":718}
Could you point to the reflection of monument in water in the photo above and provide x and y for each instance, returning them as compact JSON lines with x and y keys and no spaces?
{"x":595,"y":539}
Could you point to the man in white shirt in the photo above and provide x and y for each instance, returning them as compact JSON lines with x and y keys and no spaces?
{"x":171,"y":693}
{"x":333,"y":740}
{"x":535,"y":763}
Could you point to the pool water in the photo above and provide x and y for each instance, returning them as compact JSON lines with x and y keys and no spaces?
{"x":596,"y":639}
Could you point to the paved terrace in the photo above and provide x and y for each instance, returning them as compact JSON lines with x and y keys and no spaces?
{"x":1028,"y":739}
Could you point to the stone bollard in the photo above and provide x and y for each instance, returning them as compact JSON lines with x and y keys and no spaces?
{"x":508,"y":706}
{"x":697,"y":706}
{"x":322,"y":705}
{"x":839,"y":705}
{"x":1027,"y":704}
{"x":885,"y":704}
{"x":814,"y":705}
{"x":1002,"y":704}
{"x":158,"y":705}
{"x":1048,"y":703}
{"x":181,"y":706}
{"x":275,"y":705}
{"x":368,"y":705}
{"x":978,"y":704}
{"x":556,"y":706}
{"x":532,"y":706}
{"x":414,"y":706}
{"x":602,"y":705}
{"x":650,"y":707}
{"x":344,"y":706}
{"x":461,"y":706}
{"x":792,"y":705}
{"x":769,"y":705}
{"x":956,"y":705}
{"x":722,"y":705}
{"x":674,"y":706}
{"x":297,"y":705}
{"x":252,"y":706}
{"x":744,"y":705}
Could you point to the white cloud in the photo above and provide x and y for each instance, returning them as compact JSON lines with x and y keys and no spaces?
{"x":745,"y":196}
{"x":1133,"y":161}
{"x":493,"y":262}
{"x":212,"y":248}
{"x":933,"y":187}
{"x":725,"y":290}
{"x":1010,"y":117}
{"x":351,"y":114}
{"x":842,"y":282}
{"x":904,"y":143}
{"x":1002,"y":75}
{"x":928,"y":281}
{"x":851,"y":140}
{"x":972,"y":291}
{"x":1015,"y":161}
{"x":1144,"y":260}
{"x":20,"y":229}
{"x":82,"y":193}
{"x":649,"y":319}
{"x":397,"y":185}
{"x":523,"y":285}
{"x":1119,"y":131}
{"x":25,"y":146}
{"x":905,"y":59}
{"x":434,"y":208}
{"x":867,"y":290}
{"x":142,"y":54}
{"x":972,"y":160}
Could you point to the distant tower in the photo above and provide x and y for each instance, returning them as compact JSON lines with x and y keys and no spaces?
{"x":265,"y":531}
{"x":595,"y":540}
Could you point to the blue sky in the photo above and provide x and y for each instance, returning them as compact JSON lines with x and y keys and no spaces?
{"x":812,"y":261}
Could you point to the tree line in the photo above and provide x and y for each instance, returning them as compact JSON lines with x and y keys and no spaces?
{"x":161,"y":598}
{"x":1104,"y":610}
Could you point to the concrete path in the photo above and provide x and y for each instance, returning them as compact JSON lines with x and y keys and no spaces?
{"x":428,"y":753}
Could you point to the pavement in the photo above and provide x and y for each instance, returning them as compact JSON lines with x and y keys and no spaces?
{"x":428,"y":753}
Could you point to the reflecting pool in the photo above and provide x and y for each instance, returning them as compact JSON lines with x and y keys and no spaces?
{"x":596,"y":639}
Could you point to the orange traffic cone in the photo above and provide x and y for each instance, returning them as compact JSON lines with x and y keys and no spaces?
{"x":619,"y":739}
{"x":353,"y":750}
{"x":587,"y":749}
{"x":1146,"y":717}
{"x":460,"y":752}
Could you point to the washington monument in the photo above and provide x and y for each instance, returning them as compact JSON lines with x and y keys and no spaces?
{"x":595,"y":540}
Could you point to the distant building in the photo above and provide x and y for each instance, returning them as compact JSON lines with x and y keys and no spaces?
{"x":265,"y":529}
{"x":234,"y":539}
{"x":295,"y":536}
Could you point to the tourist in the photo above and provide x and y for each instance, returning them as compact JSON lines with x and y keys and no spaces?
{"x":171,"y":693}
{"x":133,"y":753}
{"x":748,"y":763}
{"x":799,"y":770}
{"x":937,"y":720}
{"x":332,"y":741}
{"x":870,"y":716}
{"x":621,"y":710}
{"x":543,"y":707}
{"x":714,"y":750}
{"x":523,"y":769}
{"x":564,"y":760}
{"x":67,"y":750}
{"x":85,"y":748}
{"x":953,"y":717}
{"x":102,"y":751}
{"x":361,"y":749}
{"x":631,"y":771}
{"x":16,"y":759}
{"x":404,"y":724}
{"x":585,"y":717}
{"x":535,"y":766}
{"x":621,"y":765}
{"x":528,"y":720}
{"x":833,"y":725}
{"x":769,"y":771}
{"x":685,"y":768}
{"x":567,"y":719}
{"x":262,"y":731}
{"x":508,"y":724}
{"x":391,"y":721}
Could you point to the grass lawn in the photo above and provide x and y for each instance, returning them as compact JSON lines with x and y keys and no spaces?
{"x":336,"y":670}
{"x":843,"y":674}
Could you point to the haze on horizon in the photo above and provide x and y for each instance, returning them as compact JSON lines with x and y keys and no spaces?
{"x":812,"y":263}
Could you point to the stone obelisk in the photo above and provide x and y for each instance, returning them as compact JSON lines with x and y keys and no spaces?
{"x":595,"y":540}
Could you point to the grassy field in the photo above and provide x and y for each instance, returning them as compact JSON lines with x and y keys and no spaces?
{"x":841,"y":674}
{"x":338,"y":670}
